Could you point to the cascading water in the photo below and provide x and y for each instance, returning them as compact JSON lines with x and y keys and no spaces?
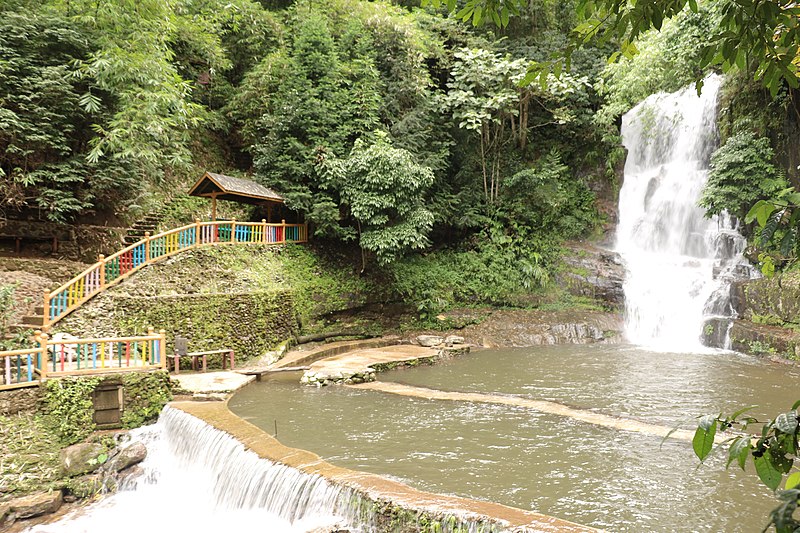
{"x":197,"y":478}
{"x":679,"y":263}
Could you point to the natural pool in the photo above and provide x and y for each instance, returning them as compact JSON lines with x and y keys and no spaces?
{"x":599,"y":476}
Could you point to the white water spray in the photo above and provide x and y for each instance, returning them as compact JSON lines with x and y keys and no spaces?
{"x":199,"y":479}
{"x":679,"y":263}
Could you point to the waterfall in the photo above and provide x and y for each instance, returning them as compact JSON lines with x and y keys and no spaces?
{"x":679,"y":263}
{"x":197,"y":478}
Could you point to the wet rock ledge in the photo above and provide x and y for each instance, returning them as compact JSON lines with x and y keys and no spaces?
{"x":88,"y":469}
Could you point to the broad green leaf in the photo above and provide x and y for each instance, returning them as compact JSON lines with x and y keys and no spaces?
{"x":787,"y":243}
{"x":738,"y":451}
{"x":703,"y":440}
{"x":769,"y":475}
{"x":792,"y":481}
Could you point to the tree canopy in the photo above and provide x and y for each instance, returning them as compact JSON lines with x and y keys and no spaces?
{"x":761,"y":37}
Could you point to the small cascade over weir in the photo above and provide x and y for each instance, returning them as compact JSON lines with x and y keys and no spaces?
{"x":679,"y":263}
{"x":200,"y":479}
{"x":197,"y":478}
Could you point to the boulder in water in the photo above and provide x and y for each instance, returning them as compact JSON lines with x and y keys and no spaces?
{"x":127,"y":457}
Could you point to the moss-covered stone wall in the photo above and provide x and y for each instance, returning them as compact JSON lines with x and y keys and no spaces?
{"x":250,"y":324}
{"x":67,"y":407}
{"x":773,"y":301}
{"x":19,"y":401}
{"x":248,"y":298}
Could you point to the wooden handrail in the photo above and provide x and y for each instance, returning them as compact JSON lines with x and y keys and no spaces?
{"x":141,"y":352}
{"x":101,"y":339}
{"x":108,"y":271}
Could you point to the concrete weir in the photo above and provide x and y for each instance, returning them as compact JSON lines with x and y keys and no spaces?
{"x":543,"y":406}
{"x":378,"y":489}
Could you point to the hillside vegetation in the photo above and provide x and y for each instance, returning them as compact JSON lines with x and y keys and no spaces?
{"x":391,"y":126}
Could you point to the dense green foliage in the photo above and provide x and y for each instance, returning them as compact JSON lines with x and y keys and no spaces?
{"x":141,"y":97}
{"x":68,"y":408}
{"x":741,"y":172}
{"x":763,"y":36}
{"x":773,"y":450}
{"x":384,"y":190}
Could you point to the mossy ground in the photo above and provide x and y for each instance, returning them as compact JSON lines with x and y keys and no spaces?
{"x":29,"y":458}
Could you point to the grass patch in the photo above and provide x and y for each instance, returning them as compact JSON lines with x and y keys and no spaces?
{"x":29,"y":460}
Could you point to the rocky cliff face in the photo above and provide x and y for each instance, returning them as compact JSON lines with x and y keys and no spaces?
{"x":768,"y":321}
{"x":593,"y":272}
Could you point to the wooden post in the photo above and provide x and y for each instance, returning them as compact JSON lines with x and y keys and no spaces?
{"x":46,"y":317}
{"x":102,"y":260}
{"x":214,"y":206}
{"x":197,"y":232}
{"x":233,"y":230}
{"x":305,"y":230}
{"x":41,"y":338}
{"x":284,"y":230}
{"x":146,"y":247}
{"x":162,"y":347}
{"x":263,"y":231}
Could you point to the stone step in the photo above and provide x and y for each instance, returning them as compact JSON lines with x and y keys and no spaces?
{"x":17,"y":328}
{"x":37,"y":320}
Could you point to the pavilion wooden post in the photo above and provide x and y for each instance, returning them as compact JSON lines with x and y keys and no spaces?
{"x":214,"y":206}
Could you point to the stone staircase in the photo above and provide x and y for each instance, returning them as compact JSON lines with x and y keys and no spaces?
{"x":147,"y":223}
{"x":32,"y":321}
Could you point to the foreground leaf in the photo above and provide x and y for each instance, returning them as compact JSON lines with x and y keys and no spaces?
{"x":769,"y":475}
{"x":703,"y":440}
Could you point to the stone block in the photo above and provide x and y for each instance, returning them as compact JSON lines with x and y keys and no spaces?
{"x":453,"y":339}
{"x":35,"y":504}
{"x":430,"y":340}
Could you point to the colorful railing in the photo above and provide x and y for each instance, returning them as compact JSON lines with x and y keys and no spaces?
{"x":20,"y":368}
{"x":73,"y":356}
{"x":110,"y":270}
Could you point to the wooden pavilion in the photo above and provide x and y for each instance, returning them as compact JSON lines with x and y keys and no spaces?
{"x":240,"y":190}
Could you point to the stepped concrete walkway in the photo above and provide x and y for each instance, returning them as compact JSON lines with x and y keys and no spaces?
{"x":345,"y":362}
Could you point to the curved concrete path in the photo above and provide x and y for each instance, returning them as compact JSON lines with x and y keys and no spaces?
{"x":544,"y":406}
